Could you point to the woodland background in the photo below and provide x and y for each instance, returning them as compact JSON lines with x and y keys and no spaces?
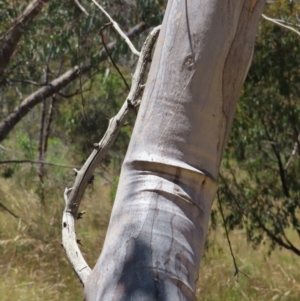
{"x":258,"y":199}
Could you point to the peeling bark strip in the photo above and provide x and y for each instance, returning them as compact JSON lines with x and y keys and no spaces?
{"x":156,"y":234}
{"x":15,"y":33}
{"x":55,"y":86}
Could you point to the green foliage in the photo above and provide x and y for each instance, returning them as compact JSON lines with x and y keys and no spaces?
{"x":27,"y":146}
{"x":86,"y":119}
{"x":152,"y":11}
{"x":261,"y":189}
{"x":58,"y":39}
{"x":8,"y":171}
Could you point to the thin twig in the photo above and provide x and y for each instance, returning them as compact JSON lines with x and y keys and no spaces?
{"x":278,"y":239}
{"x":53,"y":164}
{"x":9,"y":211}
{"x":237,"y":271}
{"x":35,"y":162}
{"x":118,"y":29}
{"x":287,"y":23}
{"x":85,"y":174}
{"x":25,"y":81}
{"x":77,"y":92}
{"x":296,"y":146}
{"x":110,"y":57}
{"x":81,"y":7}
{"x":281,"y":24}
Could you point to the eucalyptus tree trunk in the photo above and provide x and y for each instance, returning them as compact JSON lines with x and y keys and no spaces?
{"x":159,"y":222}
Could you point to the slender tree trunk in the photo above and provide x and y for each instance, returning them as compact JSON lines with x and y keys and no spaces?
{"x":48,"y":126}
{"x":159,"y":222}
{"x":44,"y":134}
{"x":40,"y":170}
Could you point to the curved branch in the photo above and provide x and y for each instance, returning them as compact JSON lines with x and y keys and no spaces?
{"x":17,"y":30}
{"x":294,"y":151}
{"x":70,"y":243}
{"x":81,"y":7}
{"x":85,"y":174}
{"x":278,"y":240}
{"x":54,"y":87}
{"x":281,"y":24}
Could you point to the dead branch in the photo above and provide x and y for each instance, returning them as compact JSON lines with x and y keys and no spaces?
{"x":281,"y":24}
{"x":81,"y":7}
{"x":85,"y":174}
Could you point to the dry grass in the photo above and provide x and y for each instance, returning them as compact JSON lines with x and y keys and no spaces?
{"x":275,"y":277}
{"x":34,"y":267}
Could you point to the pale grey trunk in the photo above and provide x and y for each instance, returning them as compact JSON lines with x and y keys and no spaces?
{"x":159,"y":222}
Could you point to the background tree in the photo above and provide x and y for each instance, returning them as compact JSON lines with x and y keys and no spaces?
{"x":49,"y":57}
{"x":260,"y":187}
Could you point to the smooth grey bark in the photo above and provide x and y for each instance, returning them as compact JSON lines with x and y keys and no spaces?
{"x":159,"y":221}
{"x":55,"y":86}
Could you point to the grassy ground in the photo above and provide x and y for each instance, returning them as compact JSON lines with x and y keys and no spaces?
{"x":274,"y":277}
{"x":34,"y":267}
